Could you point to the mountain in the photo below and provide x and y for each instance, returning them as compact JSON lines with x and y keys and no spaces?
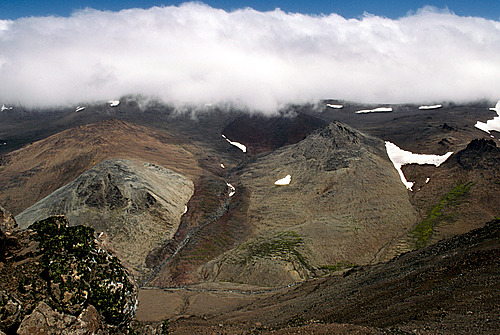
{"x":136,"y":205}
{"x":343,"y":204}
{"x":38,"y":169}
{"x":454,"y":198}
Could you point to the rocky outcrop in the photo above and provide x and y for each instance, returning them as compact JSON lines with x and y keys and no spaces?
{"x":10,"y":311}
{"x":58,"y":279}
{"x":7,"y":221}
{"x":7,"y":226}
{"x":479,"y":153}
{"x":137,"y":206}
{"x":344,"y":202}
{"x":45,"y":321}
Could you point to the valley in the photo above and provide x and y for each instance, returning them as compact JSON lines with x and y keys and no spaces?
{"x":215,"y":245}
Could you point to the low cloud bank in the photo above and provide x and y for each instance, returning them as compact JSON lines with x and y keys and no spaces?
{"x":197,"y":54}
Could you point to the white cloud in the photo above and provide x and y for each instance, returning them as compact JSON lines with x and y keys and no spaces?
{"x":197,"y":54}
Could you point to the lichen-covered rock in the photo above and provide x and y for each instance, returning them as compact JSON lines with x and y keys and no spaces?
{"x":7,"y":222}
{"x":45,"y":321}
{"x":81,"y":273}
{"x":10,"y":311}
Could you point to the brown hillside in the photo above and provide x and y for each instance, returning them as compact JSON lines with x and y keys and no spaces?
{"x":33,"y":172}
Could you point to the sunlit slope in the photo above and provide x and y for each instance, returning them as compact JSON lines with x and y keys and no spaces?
{"x":33,"y":172}
{"x":344,"y":202}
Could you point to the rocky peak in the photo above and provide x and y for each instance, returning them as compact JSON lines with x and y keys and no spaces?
{"x":482,"y":145}
{"x":479,"y":153}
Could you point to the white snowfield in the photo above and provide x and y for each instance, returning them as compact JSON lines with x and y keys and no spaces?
{"x":236,"y":144}
{"x":113,"y":103}
{"x":79,"y":109}
{"x":232,"y":189}
{"x":335,"y":106}
{"x":400,"y":157}
{"x":493,"y":124}
{"x":376,"y":110}
{"x":430,"y":107}
{"x":5,"y":108}
{"x":283,"y":181}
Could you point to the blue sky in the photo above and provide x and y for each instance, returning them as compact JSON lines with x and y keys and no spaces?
{"x":13,"y":9}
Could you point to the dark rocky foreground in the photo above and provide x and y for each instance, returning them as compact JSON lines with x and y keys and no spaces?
{"x":56,"y":279}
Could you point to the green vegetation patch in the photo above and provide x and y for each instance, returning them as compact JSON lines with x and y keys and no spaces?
{"x":337,"y":267}
{"x":283,"y":245}
{"x":78,"y":272}
{"x":424,"y":229}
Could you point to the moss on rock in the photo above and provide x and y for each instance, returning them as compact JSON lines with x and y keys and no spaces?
{"x":80,"y":273}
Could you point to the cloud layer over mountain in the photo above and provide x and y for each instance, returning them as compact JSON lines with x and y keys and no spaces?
{"x":197,"y":54}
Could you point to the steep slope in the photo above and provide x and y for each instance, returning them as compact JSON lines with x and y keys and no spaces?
{"x":138,"y":205}
{"x":448,"y":288}
{"x":344,"y":202}
{"x":460,"y":194}
{"x":33,"y":172}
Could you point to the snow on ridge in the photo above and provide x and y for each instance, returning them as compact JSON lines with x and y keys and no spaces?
{"x":185,"y":210}
{"x":493,"y":124}
{"x":400,"y":157}
{"x":113,"y":103}
{"x":496,"y":108}
{"x":427,"y":180}
{"x":5,"y":108}
{"x":335,"y":106}
{"x":232,"y":189}
{"x":376,"y":110}
{"x":242,"y":147}
{"x":79,"y":109}
{"x":430,"y":107}
{"x":283,"y":181}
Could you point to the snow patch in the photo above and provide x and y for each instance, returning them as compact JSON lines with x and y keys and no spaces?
{"x":79,"y":109}
{"x":493,"y":124}
{"x":335,"y":106}
{"x":376,"y":110}
{"x":113,"y":103}
{"x":222,"y":166}
{"x":427,"y":180}
{"x":236,"y":144}
{"x":185,"y":210}
{"x":5,"y":108}
{"x":232,"y":189}
{"x":400,"y":157}
{"x":430,"y":107}
{"x":283,"y":181}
